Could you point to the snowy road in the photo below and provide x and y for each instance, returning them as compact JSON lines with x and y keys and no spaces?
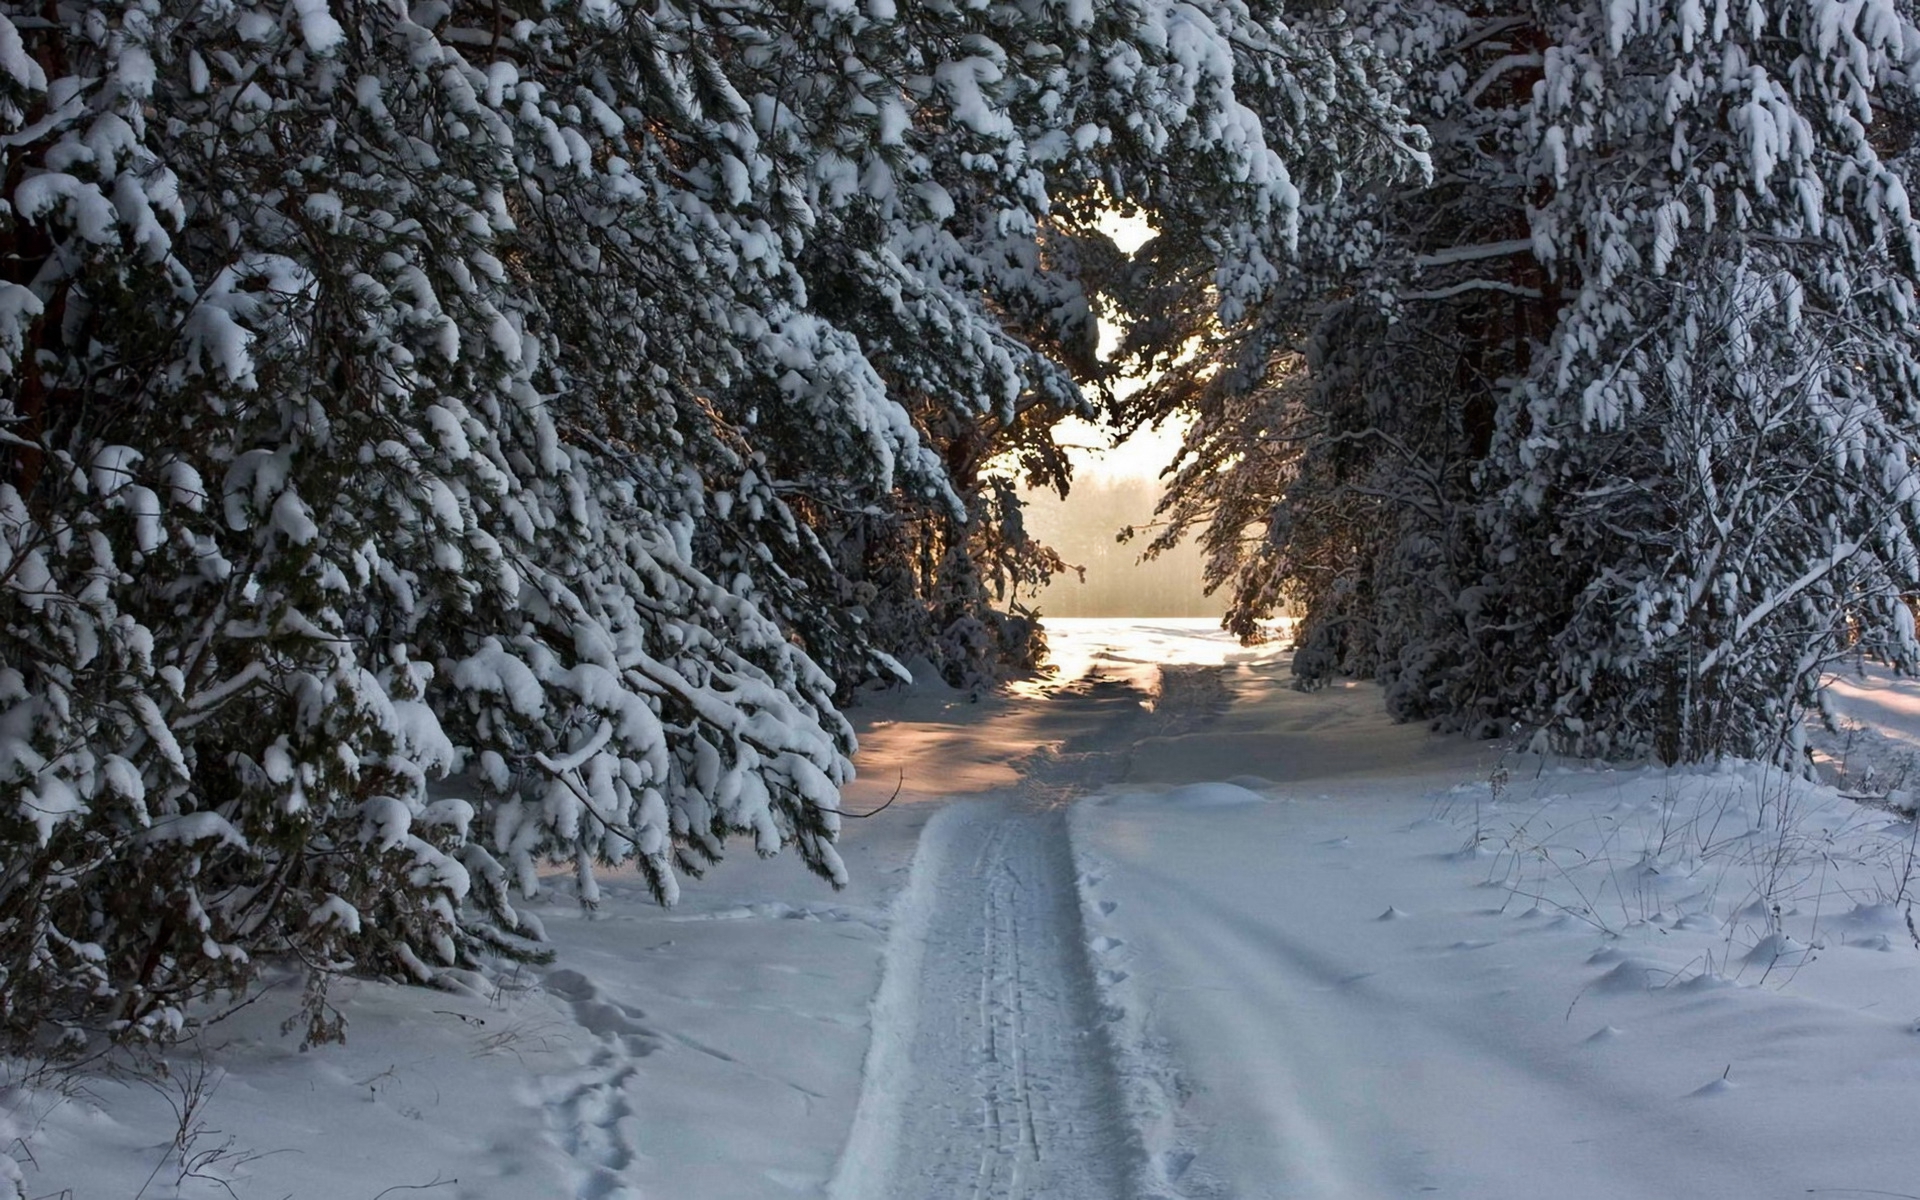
{"x":1243,"y":943}
{"x":1171,"y":931}
{"x":990,"y":1077}
{"x":1008,"y":1094}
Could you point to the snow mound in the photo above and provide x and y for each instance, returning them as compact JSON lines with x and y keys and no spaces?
{"x":1633,"y":974}
{"x":924,"y":679}
{"x":1780,"y":949}
{"x":1887,"y":918}
{"x":1211,"y":795}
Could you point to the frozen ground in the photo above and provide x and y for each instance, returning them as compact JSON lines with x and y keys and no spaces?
{"x":1162,"y":928}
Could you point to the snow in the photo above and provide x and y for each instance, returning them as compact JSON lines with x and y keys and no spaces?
{"x":1876,"y":740}
{"x":1157,"y":925}
{"x":17,"y":63}
{"x":1362,"y":999}
{"x":193,"y":827}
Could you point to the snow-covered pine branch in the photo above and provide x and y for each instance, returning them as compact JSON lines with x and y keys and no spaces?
{"x":441,"y":439}
{"x":1610,"y":425}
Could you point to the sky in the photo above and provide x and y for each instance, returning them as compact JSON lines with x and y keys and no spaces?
{"x":1141,"y":456}
{"x":1082,"y":527}
{"x":1147,"y":452}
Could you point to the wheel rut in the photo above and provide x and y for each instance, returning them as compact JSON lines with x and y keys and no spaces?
{"x":992,"y":1078}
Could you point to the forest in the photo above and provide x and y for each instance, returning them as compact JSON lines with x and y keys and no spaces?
{"x":442,"y":439}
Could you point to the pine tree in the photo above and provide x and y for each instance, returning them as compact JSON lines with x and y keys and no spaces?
{"x":1607,"y":430}
{"x":444,"y":438}
{"x":1735,"y":361}
{"x":357,"y":444}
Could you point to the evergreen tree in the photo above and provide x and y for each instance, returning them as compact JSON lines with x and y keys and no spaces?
{"x":440,"y":438}
{"x":1608,"y":430}
{"x":1736,"y":350}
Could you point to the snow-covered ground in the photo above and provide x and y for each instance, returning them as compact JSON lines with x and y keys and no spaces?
{"x":1159,"y":928}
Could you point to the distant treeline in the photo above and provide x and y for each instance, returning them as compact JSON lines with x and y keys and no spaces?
{"x":1084,"y":529}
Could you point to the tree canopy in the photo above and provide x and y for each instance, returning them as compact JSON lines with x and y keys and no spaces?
{"x":1606,"y":431}
{"x":438,"y":439}
{"x":441,"y":438}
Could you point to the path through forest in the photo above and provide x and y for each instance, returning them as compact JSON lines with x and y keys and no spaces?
{"x":1223,"y":940}
{"x":1161,"y":929}
{"x":988,"y":1078}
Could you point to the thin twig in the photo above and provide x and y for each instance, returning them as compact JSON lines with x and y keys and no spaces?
{"x":890,"y":799}
{"x":417,"y":1187}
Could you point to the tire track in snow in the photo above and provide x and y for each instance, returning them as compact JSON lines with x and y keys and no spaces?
{"x":1315,"y":1039}
{"x":990,"y":1076}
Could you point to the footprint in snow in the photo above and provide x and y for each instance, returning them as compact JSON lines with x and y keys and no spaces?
{"x":569,"y":984}
{"x":588,"y":1114}
{"x":608,"y":1020}
{"x":1176,"y":1162}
